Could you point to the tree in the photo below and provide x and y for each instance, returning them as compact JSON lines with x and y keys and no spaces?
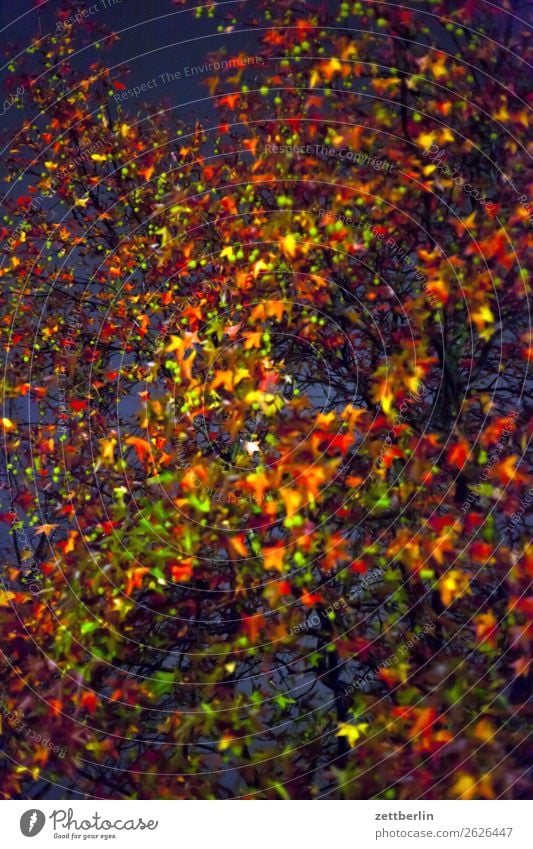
{"x":266,"y":417}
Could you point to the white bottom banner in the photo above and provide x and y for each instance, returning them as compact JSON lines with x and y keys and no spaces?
{"x":230,"y":825}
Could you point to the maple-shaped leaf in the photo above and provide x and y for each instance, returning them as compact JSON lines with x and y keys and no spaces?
{"x":454,"y":584}
{"x":458,"y":454}
{"x":486,"y":628}
{"x":6,"y":597}
{"x":508,"y":471}
{"x":352,"y":732}
{"x":273,"y":557}
{"x":46,"y":529}
{"x":252,"y":626}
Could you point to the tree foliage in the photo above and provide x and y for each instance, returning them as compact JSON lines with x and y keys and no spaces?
{"x":276,"y":543}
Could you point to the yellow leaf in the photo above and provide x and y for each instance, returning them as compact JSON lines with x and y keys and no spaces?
{"x":273,"y":557}
{"x":385,"y":397}
{"x":323,"y":420}
{"x":45,"y":529}
{"x":259,"y":482}
{"x":484,"y":730}
{"x":5,"y":598}
{"x":259,"y":266}
{"x":164,"y":232}
{"x":426,"y":139}
{"x":331,"y":67}
{"x":465,"y":786}
{"x":413,"y":381}
{"x":69,"y":545}
{"x":225,"y":742}
{"x":291,"y":499}
{"x":107,"y":450}
{"x":446,"y":136}
{"x":502,"y":114}
{"x":228,"y":252}
{"x":288,"y":245}
{"x":438,"y":67}
{"x":454,"y":584}
{"x":483,"y":316}
{"x":352,"y":732}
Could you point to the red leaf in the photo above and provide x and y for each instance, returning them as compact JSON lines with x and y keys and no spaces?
{"x":89,"y":701}
{"x":310,"y":598}
{"x":458,"y":453}
{"x":252,"y":625}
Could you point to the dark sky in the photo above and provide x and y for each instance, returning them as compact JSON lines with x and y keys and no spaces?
{"x":156,"y":38}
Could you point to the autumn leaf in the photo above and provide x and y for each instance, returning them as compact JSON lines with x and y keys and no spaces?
{"x":46,"y":529}
{"x":6,"y":597}
{"x":458,"y":454}
{"x":273,"y":557}
{"x":352,"y":732}
{"x":486,"y":628}
{"x":252,"y":626}
{"x":453,"y":585}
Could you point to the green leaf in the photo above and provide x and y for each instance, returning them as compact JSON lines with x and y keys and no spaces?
{"x":89,"y":627}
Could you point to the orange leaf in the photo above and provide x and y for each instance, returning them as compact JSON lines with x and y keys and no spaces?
{"x":236,"y":545}
{"x":486,"y":629}
{"x":253,"y":340}
{"x":458,"y":453}
{"x":252,"y":626}
{"x":142,"y":447}
{"x":273,"y":557}
{"x":507,"y":470}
